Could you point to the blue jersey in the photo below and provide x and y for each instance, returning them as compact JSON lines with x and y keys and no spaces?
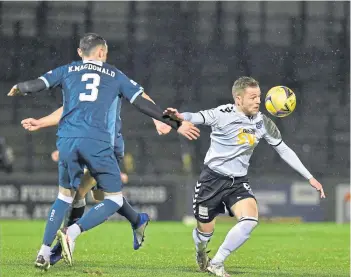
{"x":118,"y":123}
{"x":92,"y":93}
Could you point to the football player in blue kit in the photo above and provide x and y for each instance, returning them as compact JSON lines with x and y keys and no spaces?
{"x":91,"y":91}
{"x":138,"y":221}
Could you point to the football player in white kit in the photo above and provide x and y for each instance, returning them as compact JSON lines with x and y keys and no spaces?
{"x":223,"y":183}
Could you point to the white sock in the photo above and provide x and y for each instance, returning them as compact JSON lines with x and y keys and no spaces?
{"x":201,"y":239}
{"x":45,"y":251}
{"x":235,"y":238}
{"x":73,"y":231}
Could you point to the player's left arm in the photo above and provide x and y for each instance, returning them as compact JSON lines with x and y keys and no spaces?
{"x":49,"y":80}
{"x":273,"y":137}
{"x":205,"y":117}
{"x":132,"y":91}
{"x":162,"y":128}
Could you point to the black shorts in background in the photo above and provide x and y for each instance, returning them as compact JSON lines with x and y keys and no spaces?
{"x":215,"y":192}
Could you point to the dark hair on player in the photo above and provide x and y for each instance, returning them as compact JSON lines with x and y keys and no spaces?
{"x":89,"y":41}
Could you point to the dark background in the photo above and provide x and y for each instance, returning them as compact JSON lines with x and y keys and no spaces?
{"x":187,"y":55}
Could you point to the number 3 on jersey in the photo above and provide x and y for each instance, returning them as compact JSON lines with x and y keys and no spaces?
{"x":93,"y":87}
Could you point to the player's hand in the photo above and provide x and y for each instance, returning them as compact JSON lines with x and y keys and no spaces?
{"x":55,"y":156}
{"x":188,"y":130}
{"x":124,"y":178}
{"x":31,"y":124}
{"x":174,"y":114}
{"x":318,"y":186}
{"x":162,"y":128}
{"x":15,"y":92}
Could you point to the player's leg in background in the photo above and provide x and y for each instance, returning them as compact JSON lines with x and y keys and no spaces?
{"x":67,"y":165}
{"x":246,"y":212}
{"x":79,"y":203}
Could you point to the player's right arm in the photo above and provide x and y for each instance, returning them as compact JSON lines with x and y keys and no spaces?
{"x":53,"y":119}
{"x":132,"y":91}
{"x":51,"y":79}
{"x":162,"y":128}
{"x":206,"y":117}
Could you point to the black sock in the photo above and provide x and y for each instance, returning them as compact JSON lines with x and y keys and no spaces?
{"x":76,"y":212}
{"x":75,"y":215}
{"x":129,"y":213}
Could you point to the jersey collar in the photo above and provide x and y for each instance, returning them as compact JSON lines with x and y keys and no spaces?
{"x":99,"y":63}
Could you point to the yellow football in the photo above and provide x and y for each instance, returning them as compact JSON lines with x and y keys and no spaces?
{"x":280,"y":101}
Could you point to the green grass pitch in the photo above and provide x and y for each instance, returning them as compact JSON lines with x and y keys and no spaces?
{"x":273,"y":250}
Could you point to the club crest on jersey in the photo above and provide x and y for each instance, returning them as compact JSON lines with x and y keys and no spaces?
{"x":259,"y":124}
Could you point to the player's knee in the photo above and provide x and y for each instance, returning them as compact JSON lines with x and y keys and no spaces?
{"x":117,"y":198}
{"x":248,"y":224}
{"x":65,"y":198}
{"x":97,"y":195}
{"x":206,"y":227}
{"x":64,"y":192}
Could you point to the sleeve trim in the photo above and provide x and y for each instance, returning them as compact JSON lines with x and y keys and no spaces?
{"x":275,"y":145}
{"x":45,"y":81}
{"x":140,"y":91}
{"x":202,"y":116}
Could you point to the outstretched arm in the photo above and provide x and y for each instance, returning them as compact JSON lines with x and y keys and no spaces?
{"x":161,"y":127}
{"x":26,"y":87}
{"x":50,"y":79}
{"x":205,"y":117}
{"x":32,"y":124}
{"x":290,"y":157}
{"x":273,"y":137}
{"x":132,"y":91}
{"x":184,"y":128}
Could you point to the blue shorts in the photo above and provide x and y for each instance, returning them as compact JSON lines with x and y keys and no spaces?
{"x":97,"y":156}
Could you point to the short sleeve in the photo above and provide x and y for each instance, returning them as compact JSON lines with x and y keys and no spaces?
{"x":272,"y":134}
{"x":54,"y":77}
{"x":128,"y":88}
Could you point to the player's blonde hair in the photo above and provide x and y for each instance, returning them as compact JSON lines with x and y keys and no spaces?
{"x":242,"y":83}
